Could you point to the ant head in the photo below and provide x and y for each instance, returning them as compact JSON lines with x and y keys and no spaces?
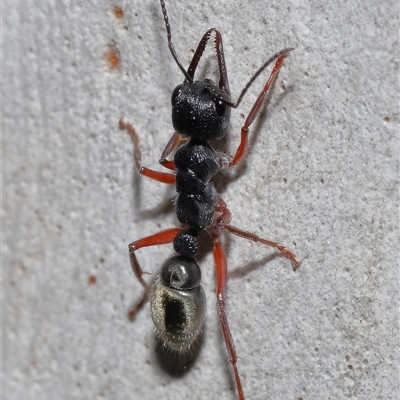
{"x":200,"y":109}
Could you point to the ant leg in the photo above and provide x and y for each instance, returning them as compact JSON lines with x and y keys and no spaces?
{"x":221,"y":277}
{"x":223,"y":222}
{"x":225,"y":215}
{"x":163,"y":237}
{"x":244,"y":141}
{"x":155,"y":175}
{"x":251,"y":236}
{"x":175,"y":141}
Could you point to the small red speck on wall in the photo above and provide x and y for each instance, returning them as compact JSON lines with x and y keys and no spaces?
{"x":118,"y":12}
{"x":112,"y":56}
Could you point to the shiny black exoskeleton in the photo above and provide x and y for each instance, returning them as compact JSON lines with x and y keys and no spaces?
{"x":199,"y":112}
{"x":199,"y":109}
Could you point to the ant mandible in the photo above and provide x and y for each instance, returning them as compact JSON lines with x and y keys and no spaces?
{"x":200,"y":113}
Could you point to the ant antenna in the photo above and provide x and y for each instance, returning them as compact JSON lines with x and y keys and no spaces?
{"x":255,"y":76}
{"x":190,"y":79}
{"x":170,"y":44}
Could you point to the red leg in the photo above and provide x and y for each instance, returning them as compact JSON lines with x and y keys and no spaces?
{"x":223,"y":221}
{"x":163,"y":237}
{"x":175,"y":141}
{"x":242,"y":149}
{"x":221,"y":277}
{"x":155,"y":175}
{"x":251,"y":236}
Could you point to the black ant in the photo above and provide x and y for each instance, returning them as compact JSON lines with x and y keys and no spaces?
{"x":200,"y":113}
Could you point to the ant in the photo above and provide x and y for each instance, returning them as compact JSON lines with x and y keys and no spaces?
{"x":200,"y":113}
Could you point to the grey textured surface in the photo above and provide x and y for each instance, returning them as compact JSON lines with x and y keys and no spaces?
{"x":321,"y":177}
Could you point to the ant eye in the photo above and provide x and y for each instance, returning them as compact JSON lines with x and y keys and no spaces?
{"x":220,"y":107}
{"x":175,"y":94}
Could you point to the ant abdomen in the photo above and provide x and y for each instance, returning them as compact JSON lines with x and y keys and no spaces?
{"x":178,"y":303}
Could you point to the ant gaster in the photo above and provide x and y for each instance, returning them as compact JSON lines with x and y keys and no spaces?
{"x":200,"y":113}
